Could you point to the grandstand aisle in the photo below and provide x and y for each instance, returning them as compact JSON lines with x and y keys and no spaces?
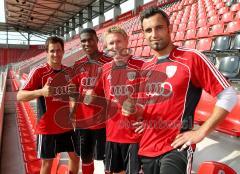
{"x":11,"y":156}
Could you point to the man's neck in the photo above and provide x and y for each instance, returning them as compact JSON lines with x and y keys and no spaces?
{"x":95,"y":55}
{"x":164,"y":52}
{"x":55,"y":66}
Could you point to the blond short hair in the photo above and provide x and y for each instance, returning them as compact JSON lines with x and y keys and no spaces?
{"x":116,"y":29}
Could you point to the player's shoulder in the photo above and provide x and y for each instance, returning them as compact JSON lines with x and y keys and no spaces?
{"x":104,"y":58}
{"x":81,"y":60}
{"x":187,"y":54}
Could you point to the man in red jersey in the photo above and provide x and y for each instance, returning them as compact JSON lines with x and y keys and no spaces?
{"x":90,"y":128}
{"x":118,"y":80}
{"x":173,"y":85}
{"x":52,"y":137}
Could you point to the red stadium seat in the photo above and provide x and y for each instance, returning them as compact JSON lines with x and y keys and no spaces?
{"x":138,"y":51}
{"x":202,"y":22}
{"x":235,"y":7}
{"x":237,"y":16}
{"x":190,"y":44}
{"x":227,"y":17}
{"x":179,"y":43}
{"x":204,"y":44}
{"x":220,"y":5}
{"x":223,"y":10}
{"x":190,"y":34}
{"x":191,"y":25}
{"x":63,"y":169}
{"x":203,"y":32}
{"x":213,"y":167}
{"x":217,"y":29}
{"x":33,"y":167}
{"x":146,"y":51}
{"x":211,"y":13}
{"x":233,"y":26}
{"x":182,"y":27}
{"x":179,"y":36}
{"x":213,"y":20}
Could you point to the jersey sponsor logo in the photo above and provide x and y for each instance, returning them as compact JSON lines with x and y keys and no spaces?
{"x":121,"y":90}
{"x":159,"y":89}
{"x":170,"y":71}
{"x":61,"y":90}
{"x":88,"y":81}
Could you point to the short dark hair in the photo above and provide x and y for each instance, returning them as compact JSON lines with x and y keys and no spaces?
{"x":88,"y":30}
{"x":153,"y":11}
{"x":54,"y":39}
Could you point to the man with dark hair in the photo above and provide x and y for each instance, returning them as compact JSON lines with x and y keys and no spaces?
{"x":175,"y":79}
{"x":91,"y":135}
{"x":52,"y":137}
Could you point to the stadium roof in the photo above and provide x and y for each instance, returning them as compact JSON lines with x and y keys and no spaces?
{"x":45,"y":17}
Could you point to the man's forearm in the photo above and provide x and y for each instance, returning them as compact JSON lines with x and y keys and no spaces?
{"x":24,"y":95}
{"x":217,"y":116}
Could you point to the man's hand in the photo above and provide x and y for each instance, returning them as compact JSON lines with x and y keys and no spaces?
{"x":129,"y":107}
{"x":47,"y":90}
{"x":139,"y":125}
{"x":89,"y":97}
{"x":186,"y":139}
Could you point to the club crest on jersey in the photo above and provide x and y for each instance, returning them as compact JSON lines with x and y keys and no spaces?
{"x":170,"y":71}
{"x":131,"y":75}
{"x":67,"y":77}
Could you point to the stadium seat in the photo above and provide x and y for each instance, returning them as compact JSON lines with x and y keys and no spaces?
{"x":190,"y":34}
{"x":221,"y":43}
{"x":213,"y":20}
{"x":190,"y":44}
{"x":233,"y":27}
{"x":211,"y":13}
{"x":182,"y":27}
{"x":146,"y":51}
{"x":203,"y":32}
{"x":217,"y":29}
{"x":191,"y":25}
{"x":179,"y":43}
{"x":223,"y":10}
{"x":229,"y":66}
{"x":235,"y":7}
{"x":219,"y":5}
{"x":138,"y":51}
{"x":236,"y":42}
{"x":213,"y":167}
{"x":227,"y":17}
{"x":179,"y":36}
{"x":63,"y":169}
{"x":204,"y":44}
{"x":237,"y":16}
{"x":202,"y":22}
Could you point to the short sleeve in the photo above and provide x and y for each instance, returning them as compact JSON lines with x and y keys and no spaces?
{"x":33,"y":82}
{"x":206,"y":76}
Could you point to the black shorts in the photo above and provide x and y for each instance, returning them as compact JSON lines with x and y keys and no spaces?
{"x":49,"y":145}
{"x":171,"y":162}
{"x":122,"y":157}
{"x":91,"y":144}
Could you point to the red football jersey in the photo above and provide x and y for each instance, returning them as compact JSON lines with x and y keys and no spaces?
{"x":53,"y":112}
{"x":173,"y":88}
{"x":87,"y":73}
{"x":119,"y":83}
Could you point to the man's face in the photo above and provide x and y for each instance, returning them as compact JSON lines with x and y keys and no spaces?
{"x":89,"y":43}
{"x":117,"y":43}
{"x":157,"y":32}
{"x":55,"y":54}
